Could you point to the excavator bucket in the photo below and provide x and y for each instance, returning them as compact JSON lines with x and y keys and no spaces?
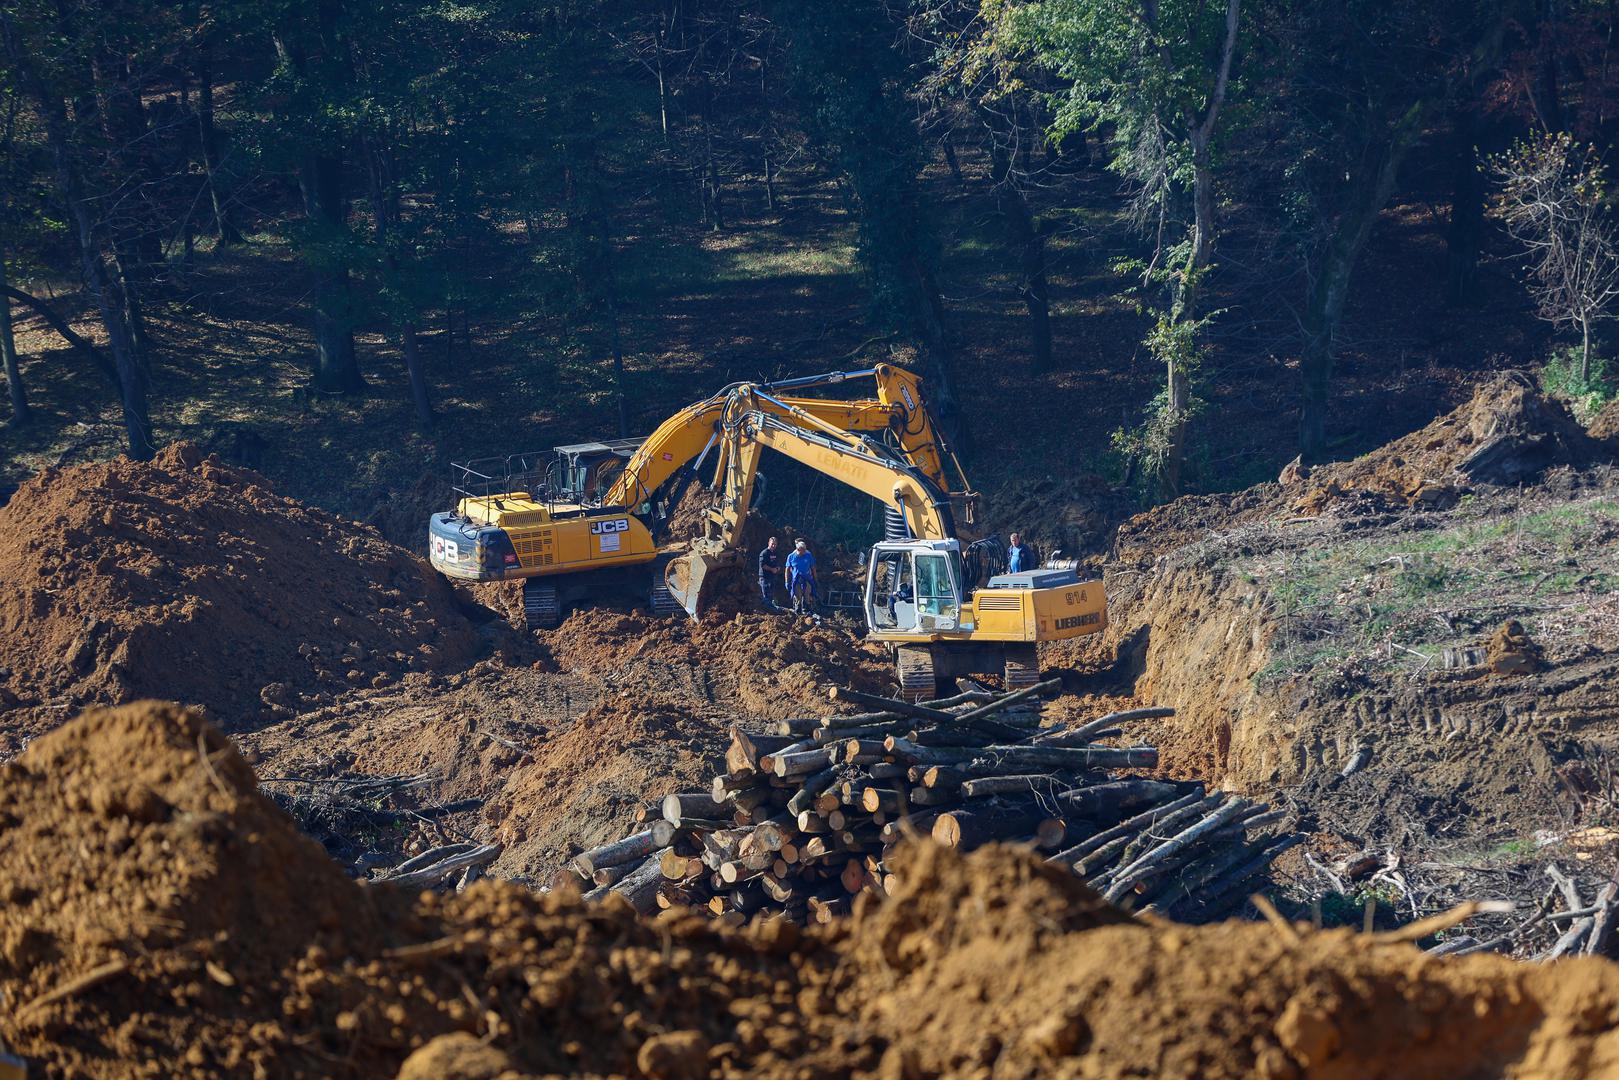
{"x":693,"y":578}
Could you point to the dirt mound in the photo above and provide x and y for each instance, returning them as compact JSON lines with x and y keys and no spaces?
{"x":766,"y":664}
{"x":171,"y":923}
{"x":1604,"y":426}
{"x":1508,"y":433}
{"x":572,"y":791}
{"x":670,"y":690}
{"x":185,"y":578}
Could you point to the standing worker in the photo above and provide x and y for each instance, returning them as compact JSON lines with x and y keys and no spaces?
{"x":801,"y":577}
{"x":769,"y":564}
{"x":1018,"y":556}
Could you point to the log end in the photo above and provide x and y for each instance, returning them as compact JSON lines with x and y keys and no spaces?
{"x":947,"y":830}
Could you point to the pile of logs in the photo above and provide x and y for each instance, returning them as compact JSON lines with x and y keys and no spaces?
{"x":802,"y":821}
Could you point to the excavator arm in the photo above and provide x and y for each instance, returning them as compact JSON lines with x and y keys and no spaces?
{"x":897,"y":410}
{"x":755,"y":421}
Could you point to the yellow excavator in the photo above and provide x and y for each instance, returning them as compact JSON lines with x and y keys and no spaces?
{"x":579,"y":525}
{"x":922,"y":594}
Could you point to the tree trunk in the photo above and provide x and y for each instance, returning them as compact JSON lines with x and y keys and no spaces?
{"x":1371,"y":184}
{"x":1465,"y":236}
{"x":947,"y":143}
{"x":1585,"y":353}
{"x":224,"y":229}
{"x":1030,"y":242}
{"x":1547,"y":98}
{"x":8,"y":356}
{"x":103,"y":287}
{"x":336,"y":369}
{"x":1178,"y":378}
{"x":385,"y":214}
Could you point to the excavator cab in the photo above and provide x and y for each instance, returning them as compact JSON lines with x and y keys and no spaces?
{"x":915,"y":586}
{"x":583,"y":472}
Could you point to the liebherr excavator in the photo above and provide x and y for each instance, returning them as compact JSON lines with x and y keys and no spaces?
{"x":579,"y":525}
{"x":920,"y":594}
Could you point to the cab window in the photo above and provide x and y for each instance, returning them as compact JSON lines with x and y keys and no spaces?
{"x":935,"y":588}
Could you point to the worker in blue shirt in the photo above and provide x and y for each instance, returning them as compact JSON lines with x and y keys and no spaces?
{"x":1018,"y":557}
{"x":801,"y":577}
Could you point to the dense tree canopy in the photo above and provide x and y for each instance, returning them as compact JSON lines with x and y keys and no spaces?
{"x":392,"y":145}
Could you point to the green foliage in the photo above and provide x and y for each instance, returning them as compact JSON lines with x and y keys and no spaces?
{"x":1587,"y":385}
{"x":1348,"y":603}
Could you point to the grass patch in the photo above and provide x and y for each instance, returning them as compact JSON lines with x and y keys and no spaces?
{"x":1400,"y":600}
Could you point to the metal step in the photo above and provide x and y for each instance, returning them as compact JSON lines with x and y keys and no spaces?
{"x":541,"y":608}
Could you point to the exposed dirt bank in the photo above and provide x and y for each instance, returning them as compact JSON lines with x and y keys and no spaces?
{"x":170,"y":922}
{"x":188,"y":579}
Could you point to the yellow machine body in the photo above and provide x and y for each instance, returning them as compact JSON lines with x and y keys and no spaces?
{"x":553,"y":538}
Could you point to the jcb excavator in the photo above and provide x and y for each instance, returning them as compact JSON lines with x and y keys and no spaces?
{"x":578,"y":525}
{"x":920,"y":594}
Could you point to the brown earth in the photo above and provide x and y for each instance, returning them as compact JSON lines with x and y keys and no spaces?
{"x":1357,"y":628}
{"x":561,"y":736}
{"x":186,"y":578}
{"x":170,"y":922}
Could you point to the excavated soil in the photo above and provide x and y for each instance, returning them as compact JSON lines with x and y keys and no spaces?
{"x":560,"y":736}
{"x":1429,"y":679}
{"x":188,"y":579}
{"x":165,"y":920}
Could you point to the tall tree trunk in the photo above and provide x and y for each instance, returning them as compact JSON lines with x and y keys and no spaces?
{"x":103,"y":286}
{"x":1464,"y":238}
{"x":385,"y":214}
{"x":1585,"y":352}
{"x":1030,"y":241}
{"x":1326,"y":308}
{"x":336,"y":369}
{"x":1547,"y":97}
{"x":225,"y":229}
{"x":8,"y":356}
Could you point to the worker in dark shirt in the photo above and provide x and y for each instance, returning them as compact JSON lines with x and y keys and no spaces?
{"x":769,"y":567}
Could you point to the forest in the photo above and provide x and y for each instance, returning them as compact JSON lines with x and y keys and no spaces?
{"x":1172,"y":243}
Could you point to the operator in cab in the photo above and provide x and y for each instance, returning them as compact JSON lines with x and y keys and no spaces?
{"x":1018,"y":556}
{"x":801,"y":577}
{"x":769,"y":567}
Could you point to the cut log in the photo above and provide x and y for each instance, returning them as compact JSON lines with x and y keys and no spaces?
{"x":438,"y":871}
{"x":1094,"y":728}
{"x":1118,"y":797}
{"x":874,"y":799}
{"x":802,"y":763}
{"x":640,"y":887}
{"x":1097,"y":849}
{"x":742,"y":756}
{"x":699,"y":804}
{"x":1059,"y":757}
{"x":635,"y":846}
{"x":809,"y":787}
{"x":1142,"y":867}
{"x":677,"y":867}
{"x":1037,"y":784}
{"x":891,"y":705}
{"x":1001,"y":819}
{"x":863,"y":751}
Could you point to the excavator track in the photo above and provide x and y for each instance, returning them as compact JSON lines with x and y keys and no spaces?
{"x":542,"y":608}
{"x":1022,"y":666}
{"x":662,"y":601}
{"x":916,"y":678}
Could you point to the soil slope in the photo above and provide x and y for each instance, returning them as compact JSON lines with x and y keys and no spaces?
{"x":167,"y":921}
{"x":187,"y":579}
